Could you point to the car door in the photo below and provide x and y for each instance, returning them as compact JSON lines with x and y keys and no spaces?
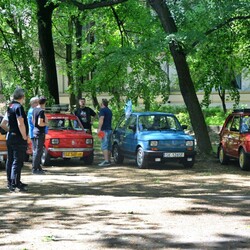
{"x":233,"y":137}
{"x":130,"y":135}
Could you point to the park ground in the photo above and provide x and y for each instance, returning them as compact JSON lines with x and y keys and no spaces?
{"x":75,"y":206}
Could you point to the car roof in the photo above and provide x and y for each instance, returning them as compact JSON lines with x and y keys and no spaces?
{"x":241,"y":111}
{"x":60,"y":115}
{"x":152,"y":113}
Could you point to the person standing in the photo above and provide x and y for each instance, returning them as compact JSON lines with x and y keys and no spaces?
{"x":16,"y":140}
{"x":34,"y":101}
{"x":40,"y":122}
{"x":85,"y":114}
{"x":105,"y":125}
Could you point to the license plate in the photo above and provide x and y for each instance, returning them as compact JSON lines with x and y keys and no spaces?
{"x":72,"y":154}
{"x":173,"y":155}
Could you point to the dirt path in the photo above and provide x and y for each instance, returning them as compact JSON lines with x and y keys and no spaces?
{"x":121,"y":207}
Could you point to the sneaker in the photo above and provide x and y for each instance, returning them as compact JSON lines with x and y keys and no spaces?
{"x":12,"y":188}
{"x":23,"y":184}
{"x":22,"y":188}
{"x":104,"y":164}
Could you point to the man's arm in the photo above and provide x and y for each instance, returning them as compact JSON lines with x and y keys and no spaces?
{"x":5,"y":125}
{"x":22,"y":128}
{"x":101,"y":119}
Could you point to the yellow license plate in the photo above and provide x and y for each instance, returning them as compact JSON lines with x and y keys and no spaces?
{"x":72,"y":154}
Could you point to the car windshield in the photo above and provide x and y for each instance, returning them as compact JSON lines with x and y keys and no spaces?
{"x":158,"y":122}
{"x":63,"y":123}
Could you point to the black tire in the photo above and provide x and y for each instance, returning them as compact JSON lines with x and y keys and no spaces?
{"x":188,"y":164}
{"x":118,"y":157}
{"x":45,"y":159}
{"x":140,"y":159}
{"x":66,"y":159}
{"x":223,"y":158}
{"x":88,"y":160}
{"x":244,"y":160}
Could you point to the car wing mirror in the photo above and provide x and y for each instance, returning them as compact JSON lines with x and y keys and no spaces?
{"x":184,"y":126}
{"x":132,"y":127}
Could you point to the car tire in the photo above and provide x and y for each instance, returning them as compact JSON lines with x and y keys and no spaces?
{"x":118,"y":157}
{"x":66,"y":159}
{"x":223,"y":158}
{"x":88,"y":160}
{"x":188,"y":164}
{"x":140,"y":158}
{"x":45,"y":159}
{"x":244,"y":160}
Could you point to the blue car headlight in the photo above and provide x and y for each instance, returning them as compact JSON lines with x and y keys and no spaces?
{"x":153,"y":143}
{"x":189,"y":143}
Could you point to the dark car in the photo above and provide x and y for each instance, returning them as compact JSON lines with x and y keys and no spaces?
{"x":235,"y":139}
{"x":152,"y":137}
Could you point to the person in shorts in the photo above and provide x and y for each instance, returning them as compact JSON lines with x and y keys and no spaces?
{"x":105,"y":125}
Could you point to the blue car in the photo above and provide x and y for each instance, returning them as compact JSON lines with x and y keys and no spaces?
{"x":152,"y":137}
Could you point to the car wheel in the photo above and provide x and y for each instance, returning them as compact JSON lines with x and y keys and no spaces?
{"x":223,"y":158}
{"x":188,"y":164}
{"x":45,"y":159}
{"x":89,"y":159}
{"x":244,"y":160}
{"x":140,"y":158}
{"x":118,"y":157}
{"x":66,"y":159}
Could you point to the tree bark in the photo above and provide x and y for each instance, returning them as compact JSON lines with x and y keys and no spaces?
{"x":185,"y":81}
{"x":44,"y":17}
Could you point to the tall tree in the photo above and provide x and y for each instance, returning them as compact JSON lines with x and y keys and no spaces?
{"x":45,"y":10}
{"x":185,"y":81}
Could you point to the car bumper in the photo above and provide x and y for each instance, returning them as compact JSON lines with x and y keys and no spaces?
{"x":75,"y":152}
{"x":70,"y":149}
{"x":159,"y":155}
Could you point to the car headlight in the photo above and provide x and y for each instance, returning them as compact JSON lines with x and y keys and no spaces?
{"x":89,"y":141}
{"x":153,"y":143}
{"x":55,"y":141}
{"x":189,"y":143}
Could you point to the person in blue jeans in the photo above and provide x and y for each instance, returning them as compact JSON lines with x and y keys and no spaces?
{"x":105,"y":125}
{"x":16,"y":140}
{"x":40,"y":123}
{"x":34,"y":101}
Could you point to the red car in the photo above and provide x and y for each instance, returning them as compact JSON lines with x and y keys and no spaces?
{"x":235,"y":139}
{"x":66,"y":138}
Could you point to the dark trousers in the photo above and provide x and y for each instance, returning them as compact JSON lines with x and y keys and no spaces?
{"x":16,"y":147}
{"x":37,"y":154}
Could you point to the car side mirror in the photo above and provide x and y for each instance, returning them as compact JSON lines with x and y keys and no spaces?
{"x":133,"y":127}
{"x":184,"y":126}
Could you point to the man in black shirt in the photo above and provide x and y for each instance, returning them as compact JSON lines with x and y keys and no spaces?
{"x":16,"y":140}
{"x":84,"y":114}
{"x":40,"y":122}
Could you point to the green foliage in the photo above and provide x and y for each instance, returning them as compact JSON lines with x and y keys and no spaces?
{"x":19,"y":59}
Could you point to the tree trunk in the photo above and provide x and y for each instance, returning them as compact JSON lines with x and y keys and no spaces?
{"x":185,"y":80}
{"x":44,"y":16}
{"x":79,"y":78}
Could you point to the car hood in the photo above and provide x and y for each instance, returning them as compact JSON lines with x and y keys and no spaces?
{"x":164,"y":135}
{"x":67,"y":134}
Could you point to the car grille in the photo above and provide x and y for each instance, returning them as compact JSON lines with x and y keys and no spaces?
{"x":172,"y":143}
